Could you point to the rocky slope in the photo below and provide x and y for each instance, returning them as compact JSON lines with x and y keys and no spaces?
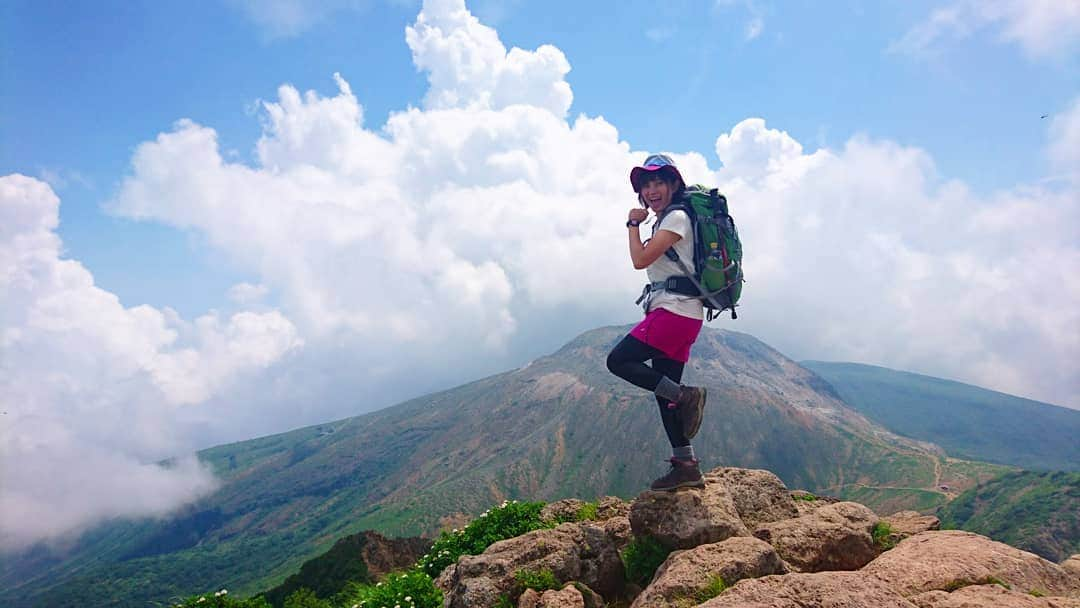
{"x":746,"y":531}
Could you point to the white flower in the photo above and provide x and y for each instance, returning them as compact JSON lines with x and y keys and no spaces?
{"x":408,"y":598}
{"x":224,"y":591}
{"x":201,"y":600}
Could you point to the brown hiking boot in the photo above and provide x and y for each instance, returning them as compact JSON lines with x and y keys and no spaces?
{"x":683,"y":474}
{"x":691,"y":406}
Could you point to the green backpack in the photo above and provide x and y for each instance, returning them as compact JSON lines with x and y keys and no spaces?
{"x":717,"y":251}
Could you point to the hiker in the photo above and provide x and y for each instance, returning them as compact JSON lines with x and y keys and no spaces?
{"x":672,"y":321}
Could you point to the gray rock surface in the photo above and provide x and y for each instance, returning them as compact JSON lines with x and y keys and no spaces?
{"x":989,"y":596}
{"x":687,"y":518}
{"x":759,"y":496}
{"x":834,"y":537}
{"x":686,"y":574}
{"x":948,"y":559}
{"x":816,"y":590}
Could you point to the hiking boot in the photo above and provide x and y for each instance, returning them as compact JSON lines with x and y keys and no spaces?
{"x":691,"y":406}
{"x":683,"y":474}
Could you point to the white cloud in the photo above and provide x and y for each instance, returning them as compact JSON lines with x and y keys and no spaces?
{"x":482,"y":229}
{"x":1042,"y":28}
{"x":1064,"y":148}
{"x":89,"y":386}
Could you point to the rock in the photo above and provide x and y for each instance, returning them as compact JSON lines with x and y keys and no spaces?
{"x":445,"y":580}
{"x":910,"y":523}
{"x":834,"y":537}
{"x":759,"y":496}
{"x":807,"y":503}
{"x":818,"y":590}
{"x":562,"y":510}
{"x":685,"y":574}
{"x":1072,"y":565}
{"x":611,"y":506}
{"x":572,"y":552}
{"x":950,"y":559}
{"x":687,"y":518}
{"x":989,"y":596}
{"x":567,"y":597}
{"x":618,"y":528}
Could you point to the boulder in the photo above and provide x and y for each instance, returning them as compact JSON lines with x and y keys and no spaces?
{"x":1072,"y":565}
{"x":989,"y":596}
{"x":618,"y":528}
{"x":685,"y":574}
{"x":817,"y":590}
{"x":910,"y":523}
{"x":807,"y":503}
{"x":687,"y":518}
{"x":950,"y":559}
{"x":611,"y":506}
{"x":572,"y":595}
{"x":759,"y":496}
{"x":572,"y":552}
{"x":834,"y":537}
{"x":562,"y":510}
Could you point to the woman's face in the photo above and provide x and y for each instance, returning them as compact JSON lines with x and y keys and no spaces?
{"x":657,"y":193}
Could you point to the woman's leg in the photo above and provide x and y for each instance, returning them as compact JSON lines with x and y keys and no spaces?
{"x":672,"y":422}
{"x":627,"y":361}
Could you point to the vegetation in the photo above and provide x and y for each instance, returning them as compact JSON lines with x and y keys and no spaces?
{"x":715,"y":587}
{"x":882,"y":534}
{"x":642,"y":557}
{"x":221,"y":599}
{"x":305,"y":598}
{"x":410,"y":589}
{"x":1032,"y":511}
{"x":968,"y":421}
{"x":541,"y":580}
{"x":806,"y":497}
{"x":588,"y":511}
{"x":511,"y":519}
{"x":986,"y":580}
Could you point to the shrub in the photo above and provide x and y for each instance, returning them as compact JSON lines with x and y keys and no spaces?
{"x":305,"y":598}
{"x":808,"y":497}
{"x":409,"y":589}
{"x":883,"y":536}
{"x":588,"y":511}
{"x":508,"y":520}
{"x":642,"y":557}
{"x":221,"y":599}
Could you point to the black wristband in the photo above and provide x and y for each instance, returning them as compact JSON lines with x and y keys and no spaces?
{"x":632,"y":223}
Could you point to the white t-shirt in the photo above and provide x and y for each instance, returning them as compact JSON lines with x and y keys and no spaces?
{"x":678,"y":222}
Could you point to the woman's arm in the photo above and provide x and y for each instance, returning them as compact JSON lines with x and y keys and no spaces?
{"x":643,"y":255}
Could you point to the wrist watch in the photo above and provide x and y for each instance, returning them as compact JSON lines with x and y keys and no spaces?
{"x":632,"y":223}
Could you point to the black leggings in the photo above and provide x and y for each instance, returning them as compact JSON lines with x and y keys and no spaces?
{"x":627,"y":361}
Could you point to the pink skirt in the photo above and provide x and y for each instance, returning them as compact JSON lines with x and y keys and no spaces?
{"x":670,"y":333}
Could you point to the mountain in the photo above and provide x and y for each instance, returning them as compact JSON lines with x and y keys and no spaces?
{"x":560,"y":426}
{"x":967,"y":421}
{"x":1037,"y":512}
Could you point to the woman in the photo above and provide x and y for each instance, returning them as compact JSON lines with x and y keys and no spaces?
{"x":672,"y":321}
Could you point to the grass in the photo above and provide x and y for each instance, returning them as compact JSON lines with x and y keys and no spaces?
{"x":986,"y":580}
{"x":715,"y":587}
{"x":642,"y":557}
{"x":808,"y":497}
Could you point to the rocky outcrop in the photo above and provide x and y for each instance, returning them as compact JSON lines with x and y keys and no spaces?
{"x":817,"y":556}
{"x":687,"y":574}
{"x":759,"y":496}
{"x":834,"y":537}
{"x":687,"y":518}
{"x":571,"y":552}
{"x":951,"y":559}
{"x":989,"y":596}
{"x":818,"y":590}
{"x":909,"y":523}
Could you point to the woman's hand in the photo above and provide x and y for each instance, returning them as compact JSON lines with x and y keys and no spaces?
{"x":637,"y":214}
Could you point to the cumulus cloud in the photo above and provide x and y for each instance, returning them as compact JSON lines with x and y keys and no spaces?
{"x":1042,"y":28}
{"x":88,"y":386}
{"x":483,"y":228}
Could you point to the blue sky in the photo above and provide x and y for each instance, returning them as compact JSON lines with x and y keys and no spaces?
{"x":226,"y":219}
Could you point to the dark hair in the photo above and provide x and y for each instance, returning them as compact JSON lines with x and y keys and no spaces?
{"x":667,"y":176}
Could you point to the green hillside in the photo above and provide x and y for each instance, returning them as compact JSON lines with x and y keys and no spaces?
{"x":561,"y":426}
{"x":1037,"y":512}
{"x":967,"y":421}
